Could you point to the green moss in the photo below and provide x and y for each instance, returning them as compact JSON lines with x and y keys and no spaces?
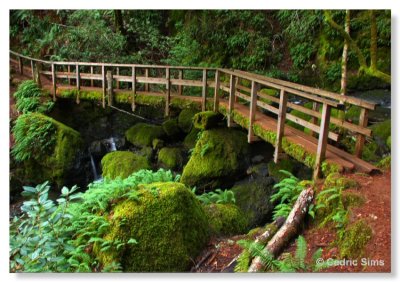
{"x":385,"y":163}
{"x":148,"y":100}
{"x":185,"y":119}
{"x":353,"y":114}
{"x":190,"y":140}
{"x":157,"y":144}
{"x":381,"y":131}
{"x":206,"y":120}
{"x":389,"y":141}
{"x":268,"y":92}
{"x":171,"y":128}
{"x":83,"y":94}
{"x":143,"y":134}
{"x":122,"y":164}
{"x":225,"y":219}
{"x":123,"y":97}
{"x":352,"y":199}
{"x":182,"y":103}
{"x":337,"y":180}
{"x":170,"y":158}
{"x":219,"y":154}
{"x":355,"y":239}
{"x":284,"y":164}
{"x":146,"y":152}
{"x":55,"y":165}
{"x":169,"y":225}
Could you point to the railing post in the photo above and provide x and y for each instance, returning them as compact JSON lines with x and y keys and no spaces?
{"x":253,"y":108}
{"x":363,"y":121}
{"x":37,"y":74}
{"x":280,"y":125}
{"x":78,"y":83}
{"x":322,"y":140}
{"x":216,"y":91}
{"x":117,"y":80}
{"x":180,"y":77}
{"x":110,"y":88}
{"x":53,"y":77}
{"x":69,"y":74}
{"x":146,"y":74}
{"x":204,"y":91}
{"x":91,"y":72}
{"x":20,"y":66}
{"x":103,"y":74}
{"x":231,"y":105}
{"x":314,"y":120}
{"x":133,"y":88}
{"x":167,"y":91}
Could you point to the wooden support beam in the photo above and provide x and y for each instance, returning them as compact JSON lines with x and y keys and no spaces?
{"x":20,"y":66}
{"x":91,"y":72}
{"x":167,"y":91}
{"x":33,"y":70}
{"x":231,"y":105}
{"x":322,"y":140}
{"x":253,"y":108}
{"x":117,"y":80}
{"x":37,"y":74}
{"x":314,"y":119}
{"x":180,"y":77}
{"x":204,"y":91}
{"x":216,"y":91}
{"x":363,"y":121}
{"x":280,"y":125}
{"x":110,"y":88}
{"x":146,"y":74}
{"x":69,"y":75}
{"x":133,"y":89}
{"x":78,"y":83}
{"x":54,"y":80}
{"x":103,"y":85}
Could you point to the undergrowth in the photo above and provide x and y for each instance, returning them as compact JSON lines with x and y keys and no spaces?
{"x":29,"y":98}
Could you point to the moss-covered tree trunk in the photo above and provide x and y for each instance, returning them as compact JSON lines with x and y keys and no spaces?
{"x":343,"y":83}
{"x":374,"y":40}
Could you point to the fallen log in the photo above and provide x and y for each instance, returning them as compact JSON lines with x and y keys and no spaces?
{"x":289,"y":229}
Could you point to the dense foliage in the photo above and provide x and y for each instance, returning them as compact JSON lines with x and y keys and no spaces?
{"x":291,"y":44}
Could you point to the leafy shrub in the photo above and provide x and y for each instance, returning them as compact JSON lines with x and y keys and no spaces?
{"x":28,"y":98}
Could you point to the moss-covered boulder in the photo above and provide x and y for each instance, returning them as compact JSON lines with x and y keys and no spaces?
{"x":169,"y":225}
{"x":122,"y":164}
{"x":170,"y":158}
{"x":143,"y":134}
{"x":225,"y":219}
{"x":185,"y":119}
{"x":381,"y":131}
{"x":206,"y":120}
{"x":252,"y":197}
{"x":157,"y":144}
{"x":171,"y":128}
{"x":190,"y":140}
{"x":219,"y":157}
{"x":284,"y":164}
{"x":355,"y":239}
{"x":45,"y":149}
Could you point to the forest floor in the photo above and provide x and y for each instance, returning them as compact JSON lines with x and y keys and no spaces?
{"x":376,"y":211}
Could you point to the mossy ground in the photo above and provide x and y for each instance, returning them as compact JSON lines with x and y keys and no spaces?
{"x":168,"y":223}
{"x":225,"y":219}
{"x":122,"y":164}
{"x":355,"y":239}
{"x":143,"y":134}
{"x":170,"y":158}
{"x":219,"y":155}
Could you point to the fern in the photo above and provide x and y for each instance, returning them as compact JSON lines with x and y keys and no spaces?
{"x":218,"y":197}
{"x":29,"y":98}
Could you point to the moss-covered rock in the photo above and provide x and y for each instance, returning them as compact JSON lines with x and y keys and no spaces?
{"x":190,"y":140}
{"x":185,"y":119}
{"x":143,"y":134}
{"x":355,"y":239}
{"x":225,"y":219}
{"x":382,"y":130}
{"x":171,"y":128}
{"x":157,"y":144}
{"x":352,"y":199}
{"x":220,"y":156}
{"x":252,"y":197}
{"x":58,"y":160}
{"x":206,"y":120}
{"x":170,"y":158}
{"x":169,"y":225}
{"x":122,"y":164}
{"x":389,"y":141}
{"x":284,"y":164}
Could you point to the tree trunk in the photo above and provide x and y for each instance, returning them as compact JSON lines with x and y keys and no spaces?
{"x":118,"y":22}
{"x":288,"y":230}
{"x":343,"y":83}
{"x":374,"y":41}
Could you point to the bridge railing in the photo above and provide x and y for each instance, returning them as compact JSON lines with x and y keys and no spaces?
{"x":241,"y":86}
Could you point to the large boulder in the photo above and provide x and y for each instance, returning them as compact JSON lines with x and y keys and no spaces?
{"x":168,"y":223}
{"x":219,"y":157}
{"x":171,"y":128}
{"x":253,"y":198}
{"x":122,"y":164}
{"x":44,"y":149}
{"x":185,"y":119}
{"x":143,"y":134}
{"x":190,"y":140}
{"x":170,"y":158}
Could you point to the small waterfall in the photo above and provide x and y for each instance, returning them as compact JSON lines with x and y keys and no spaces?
{"x":94,"y":169}
{"x":113,"y":147}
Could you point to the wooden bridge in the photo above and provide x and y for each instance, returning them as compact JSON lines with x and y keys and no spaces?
{"x":235,"y":93}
